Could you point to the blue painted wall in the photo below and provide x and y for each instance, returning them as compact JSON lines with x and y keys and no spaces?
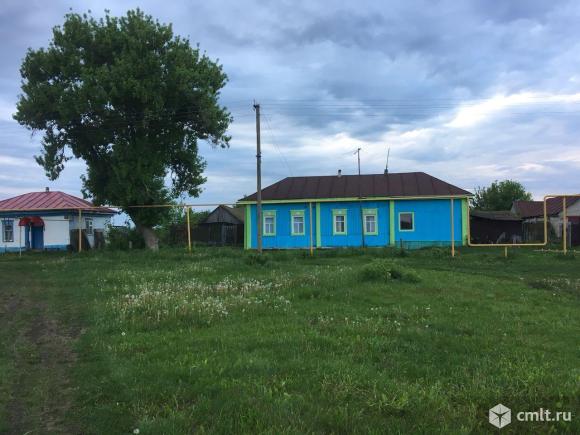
{"x":431,"y":219}
{"x":432,"y":222}
{"x":284,"y":237}
{"x":354,"y":233}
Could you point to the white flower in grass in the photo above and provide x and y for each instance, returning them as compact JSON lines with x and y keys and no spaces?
{"x":136,"y":431}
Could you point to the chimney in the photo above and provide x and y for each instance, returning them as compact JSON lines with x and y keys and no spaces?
{"x":46,"y":189}
{"x":340,"y":173}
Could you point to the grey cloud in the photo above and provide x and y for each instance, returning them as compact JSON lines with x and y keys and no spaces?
{"x":368,"y":70}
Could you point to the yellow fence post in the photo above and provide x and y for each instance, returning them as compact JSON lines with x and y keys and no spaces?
{"x":188,"y":231}
{"x":80,"y":233}
{"x":564,"y":225}
{"x":452,"y":232}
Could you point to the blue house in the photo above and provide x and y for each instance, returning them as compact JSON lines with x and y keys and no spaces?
{"x":413,"y":209}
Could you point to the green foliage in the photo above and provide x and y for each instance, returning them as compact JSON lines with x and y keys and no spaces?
{"x":569,"y":256}
{"x":255,"y":259}
{"x":384,"y":270}
{"x":175,"y":221}
{"x":132,"y":100}
{"x":500,"y":195}
{"x":123,"y":238}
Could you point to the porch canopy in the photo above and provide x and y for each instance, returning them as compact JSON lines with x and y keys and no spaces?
{"x":34,"y":221}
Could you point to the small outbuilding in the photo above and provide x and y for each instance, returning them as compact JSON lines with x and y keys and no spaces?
{"x":50,"y":221}
{"x":495,"y":227}
{"x":223,"y":226}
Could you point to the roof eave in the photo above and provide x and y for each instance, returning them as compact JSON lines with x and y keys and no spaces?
{"x":244,"y":201}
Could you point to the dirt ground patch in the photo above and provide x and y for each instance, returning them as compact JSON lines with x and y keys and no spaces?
{"x":41,"y":350}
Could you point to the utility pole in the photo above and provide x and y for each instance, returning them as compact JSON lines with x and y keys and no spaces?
{"x":258,"y":178}
{"x":357,"y":152}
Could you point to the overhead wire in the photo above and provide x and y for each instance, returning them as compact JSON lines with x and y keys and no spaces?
{"x":269,"y":127}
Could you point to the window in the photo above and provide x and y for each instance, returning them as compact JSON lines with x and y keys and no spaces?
{"x":297,"y":222}
{"x":406,"y":221}
{"x":8,"y":231}
{"x":370,"y":221}
{"x":269,"y":223}
{"x":89,"y":226}
{"x":339,"y":222}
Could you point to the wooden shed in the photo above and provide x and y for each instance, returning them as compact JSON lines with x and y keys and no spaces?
{"x":495,"y":227}
{"x":224,"y":226}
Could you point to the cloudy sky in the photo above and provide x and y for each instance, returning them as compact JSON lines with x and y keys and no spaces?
{"x":468,"y":91}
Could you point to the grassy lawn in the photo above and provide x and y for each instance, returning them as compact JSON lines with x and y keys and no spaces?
{"x":221,"y":341}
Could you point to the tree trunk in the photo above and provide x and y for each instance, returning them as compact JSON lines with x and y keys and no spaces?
{"x":149,"y":236}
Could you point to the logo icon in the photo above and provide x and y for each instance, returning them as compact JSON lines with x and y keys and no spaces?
{"x":500,"y":416}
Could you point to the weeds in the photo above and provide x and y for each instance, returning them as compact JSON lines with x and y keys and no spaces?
{"x":226,"y":341}
{"x":383,"y":270}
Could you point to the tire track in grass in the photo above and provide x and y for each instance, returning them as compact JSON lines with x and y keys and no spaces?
{"x":42,"y":356}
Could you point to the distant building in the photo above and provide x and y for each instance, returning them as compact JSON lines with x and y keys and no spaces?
{"x":413,"y":209}
{"x":533,"y":211}
{"x":495,"y":227}
{"x":50,"y":221}
{"x":223,"y":226}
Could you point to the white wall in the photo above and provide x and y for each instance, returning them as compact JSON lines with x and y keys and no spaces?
{"x":56,"y":233}
{"x":101,"y":223}
{"x":8,"y":245}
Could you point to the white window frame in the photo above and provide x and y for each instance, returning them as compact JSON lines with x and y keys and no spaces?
{"x":371,"y":212}
{"x":89,"y":226}
{"x":335,"y":215}
{"x":269,"y":214}
{"x":294,"y":215}
{"x":10,"y":223}
{"x":412,"y":221}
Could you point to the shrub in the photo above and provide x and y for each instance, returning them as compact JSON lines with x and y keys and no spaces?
{"x":118,"y":238}
{"x":255,"y":259}
{"x":381,"y":270}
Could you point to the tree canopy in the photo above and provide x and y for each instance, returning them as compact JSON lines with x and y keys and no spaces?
{"x":500,"y":195}
{"x":132,"y":100}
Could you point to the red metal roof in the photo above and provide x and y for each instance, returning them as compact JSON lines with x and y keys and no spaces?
{"x":350,"y":186}
{"x":527,"y":209}
{"x":49,"y":201}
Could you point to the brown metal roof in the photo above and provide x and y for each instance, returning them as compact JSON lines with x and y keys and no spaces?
{"x":502,"y":215}
{"x":225,"y":214}
{"x":528,"y":209}
{"x":351,"y":186}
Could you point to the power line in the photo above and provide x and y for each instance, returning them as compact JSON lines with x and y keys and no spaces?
{"x":269,"y":127}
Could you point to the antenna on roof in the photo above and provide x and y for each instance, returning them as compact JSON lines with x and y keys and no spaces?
{"x":387,"y":166}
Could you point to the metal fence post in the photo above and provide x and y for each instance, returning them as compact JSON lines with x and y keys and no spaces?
{"x":188,"y":232}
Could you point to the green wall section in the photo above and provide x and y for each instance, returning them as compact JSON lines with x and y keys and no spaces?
{"x":248,"y":228}
{"x":318,"y":235}
{"x":464,"y":235}
{"x":392,"y":223}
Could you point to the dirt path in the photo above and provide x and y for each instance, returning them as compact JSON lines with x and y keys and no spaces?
{"x":41,"y":350}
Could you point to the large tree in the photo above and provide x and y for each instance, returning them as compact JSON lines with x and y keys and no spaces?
{"x":132,"y":100}
{"x":500,"y":195}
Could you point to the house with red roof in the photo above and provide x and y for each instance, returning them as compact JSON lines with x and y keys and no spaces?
{"x":533,"y":211}
{"x":50,"y":221}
